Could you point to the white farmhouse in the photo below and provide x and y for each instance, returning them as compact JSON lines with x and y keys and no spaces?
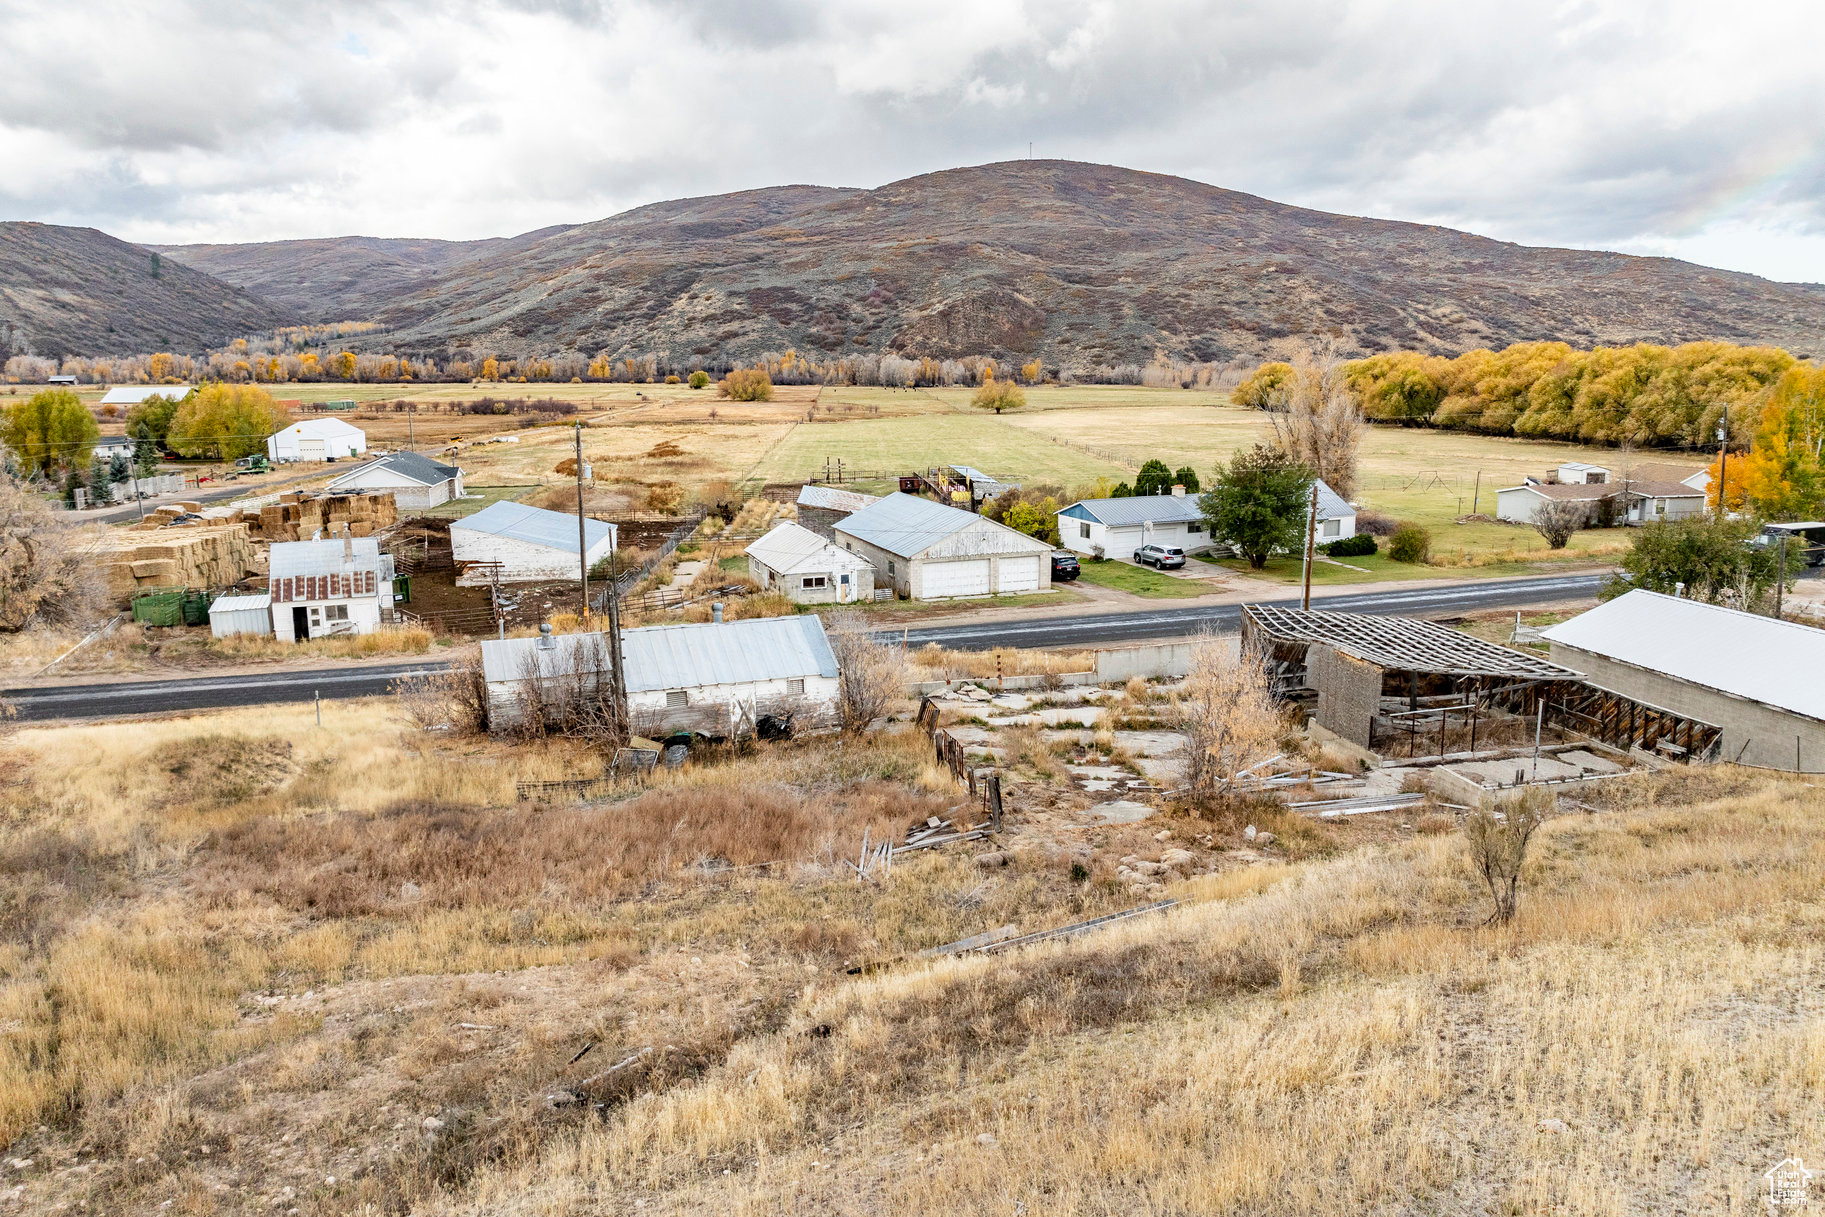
{"x":927,"y":551}
{"x":718,"y":677}
{"x":416,"y":481}
{"x":316,"y":439}
{"x":1115,"y":528}
{"x":514,"y":543}
{"x":808,"y":569}
{"x":320,"y":588}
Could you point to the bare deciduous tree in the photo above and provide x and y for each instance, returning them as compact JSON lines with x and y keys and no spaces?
{"x":42,"y":575}
{"x":1498,"y":839}
{"x":1558,"y":519}
{"x":455,"y":697}
{"x":1225,"y":709}
{"x":870,"y":673}
{"x":1317,"y":419}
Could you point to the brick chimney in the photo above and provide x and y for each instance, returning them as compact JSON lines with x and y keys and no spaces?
{"x":1178,"y":492}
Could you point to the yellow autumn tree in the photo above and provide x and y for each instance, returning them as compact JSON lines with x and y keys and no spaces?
{"x":1784,"y":476}
{"x":1031,"y":372}
{"x":491,"y":369}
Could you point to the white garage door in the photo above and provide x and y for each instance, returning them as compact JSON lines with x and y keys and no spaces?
{"x":1020,"y":574}
{"x":942,"y":579}
{"x":312,"y":449}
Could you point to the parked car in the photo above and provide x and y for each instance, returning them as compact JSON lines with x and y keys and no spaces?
{"x":1064,"y":567}
{"x":1160,"y":557}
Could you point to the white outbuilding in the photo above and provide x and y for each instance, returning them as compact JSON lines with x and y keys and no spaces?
{"x":928,"y":551}
{"x":321,"y":588}
{"x":807,"y":569}
{"x":415,"y":481}
{"x":720,"y":678}
{"x":514,"y":543}
{"x":241,"y":614}
{"x":133,"y":395}
{"x":316,"y":439}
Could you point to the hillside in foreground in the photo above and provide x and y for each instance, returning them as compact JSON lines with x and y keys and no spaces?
{"x":79,"y":291}
{"x":248,"y":966}
{"x":1084,"y":265}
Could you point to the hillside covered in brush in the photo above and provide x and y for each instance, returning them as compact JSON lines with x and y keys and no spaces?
{"x":78,"y":291}
{"x":1081,"y":265}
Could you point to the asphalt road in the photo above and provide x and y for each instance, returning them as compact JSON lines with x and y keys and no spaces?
{"x":211,"y":692}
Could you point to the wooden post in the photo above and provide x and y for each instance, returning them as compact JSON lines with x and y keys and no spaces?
{"x":1476,"y":496}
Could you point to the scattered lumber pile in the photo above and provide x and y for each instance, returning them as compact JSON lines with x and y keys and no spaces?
{"x":299,"y":517}
{"x":199,"y":556}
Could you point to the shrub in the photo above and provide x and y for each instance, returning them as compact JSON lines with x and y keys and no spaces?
{"x":1558,"y":519}
{"x":747,"y":384}
{"x":699,"y":379}
{"x":1359,"y":546}
{"x":1375,"y":523}
{"x":1410,"y":543}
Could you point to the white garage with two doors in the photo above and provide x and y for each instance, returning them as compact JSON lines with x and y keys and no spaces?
{"x":928,"y":551}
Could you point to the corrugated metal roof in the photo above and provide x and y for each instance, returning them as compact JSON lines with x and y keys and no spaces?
{"x":831,"y":498}
{"x":322,"y":427}
{"x":514,"y":658}
{"x":726,"y":653}
{"x":534,"y":525}
{"x":1591,"y":492}
{"x":791,"y":547}
{"x":1138,"y":509}
{"x":130,"y":395}
{"x":1758,"y":658}
{"x":1402,"y":643}
{"x":410,"y":465}
{"x":1331,"y":505}
{"x":291,"y":558}
{"x":234,"y":604}
{"x":906,"y":526}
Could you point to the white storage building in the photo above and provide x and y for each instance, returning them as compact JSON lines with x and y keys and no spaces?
{"x":316,"y":439}
{"x":528,"y":543}
{"x":241,"y":614}
{"x":415,"y":481}
{"x":133,"y":395}
{"x":717,"y":677}
{"x":319,"y":588}
{"x":808,"y":569}
{"x":928,"y":551}
{"x":1755,"y":678}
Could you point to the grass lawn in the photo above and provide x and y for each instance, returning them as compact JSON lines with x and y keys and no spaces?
{"x":1139,"y":581}
{"x":485,"y":496}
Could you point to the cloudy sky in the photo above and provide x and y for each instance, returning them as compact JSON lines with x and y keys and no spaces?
{"x":1674,"y":127}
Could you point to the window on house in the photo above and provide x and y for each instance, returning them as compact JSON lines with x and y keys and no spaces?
{"x":1332,"y":528}
{"x":676,"y":699}
{"x":336,"y":612}
{"x":1083,"y":529}
{"x":845,"y":579}
{"x":1195,"y":526}
{"x":890,"y":567}
{"x":813,"y":581}
{"x":795,"y":687}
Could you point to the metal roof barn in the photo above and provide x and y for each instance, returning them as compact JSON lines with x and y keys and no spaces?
{"x":132,"y":395}
{"x":1777,"y":663}
{"x":726,"y":653}
{"x":535,"y":526}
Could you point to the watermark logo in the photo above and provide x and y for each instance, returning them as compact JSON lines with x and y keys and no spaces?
{"x":1789,"y":1184}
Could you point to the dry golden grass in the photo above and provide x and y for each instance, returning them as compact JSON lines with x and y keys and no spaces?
{"x":1344,"y":1041}
{"x":933,"y":662}
{"x":388,"y":640}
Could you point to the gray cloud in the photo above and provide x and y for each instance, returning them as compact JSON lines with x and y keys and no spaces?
{"x":1683,"y":130}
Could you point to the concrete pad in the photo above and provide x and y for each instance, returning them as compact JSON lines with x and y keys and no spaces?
{"x":1501,"y":773}
{"x":1099,"y":777}
{"x":1011,"y":701}
{"x":1054,"y":716}
{"x":1121,"y":811}
{"x":970,"y":736}
{"x":1590,"y":762}
{"x":1150,"y":743}
{"x":1166,"y":771}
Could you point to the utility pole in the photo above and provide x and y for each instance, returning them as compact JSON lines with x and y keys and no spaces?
{"x":411,"y":432}
{"x":1311,"y":535}
{"x":1723,"y":459}
{"x":582,"y":542}
{"x":619,"y":682}
{"x":1476,"y":495}
{"x":1780,"y":584}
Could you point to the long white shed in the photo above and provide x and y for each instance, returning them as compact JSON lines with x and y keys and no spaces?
{"x":515,"y":543}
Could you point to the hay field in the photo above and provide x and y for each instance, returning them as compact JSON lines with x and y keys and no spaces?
{"x":248,"y":965}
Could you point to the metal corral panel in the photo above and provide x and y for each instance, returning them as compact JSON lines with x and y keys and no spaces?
{"x":726,"y":653}
{"x":1760,"y":659}
{"x":534,"y":525}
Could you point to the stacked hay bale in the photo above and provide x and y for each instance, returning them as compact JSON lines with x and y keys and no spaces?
{"x":198,"y":556}
{"x":299,"y":517}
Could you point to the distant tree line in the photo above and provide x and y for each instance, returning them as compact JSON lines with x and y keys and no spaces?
{"x":1645,"y":395}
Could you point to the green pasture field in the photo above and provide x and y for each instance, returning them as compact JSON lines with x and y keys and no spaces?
{"x":1139,"y":581}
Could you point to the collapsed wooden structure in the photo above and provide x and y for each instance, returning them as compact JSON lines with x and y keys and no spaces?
{"x":1405,"y":687}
